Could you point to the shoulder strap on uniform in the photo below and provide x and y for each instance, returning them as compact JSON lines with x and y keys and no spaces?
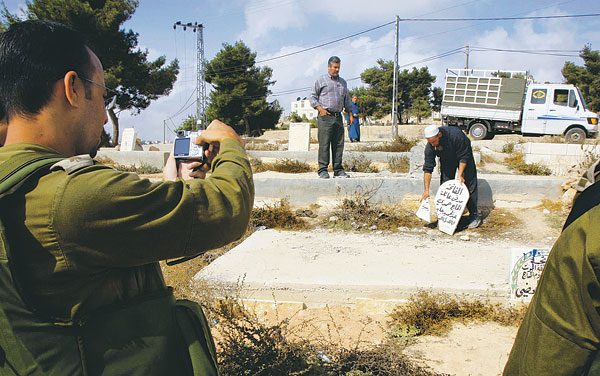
{"x":588,"y":199}
{"x":16,"y":169}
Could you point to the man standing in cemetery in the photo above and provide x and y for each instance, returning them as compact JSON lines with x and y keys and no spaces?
{"x":81,"y":290}
{"x":330,"y":96}
{"x":453,"y":148}
{"x":353,"y":125}
{"x":560,"y":333}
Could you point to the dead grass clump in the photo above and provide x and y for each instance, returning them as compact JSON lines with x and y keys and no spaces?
{"x":497,"y":222}
{"x":143,"y":169}
{"x":398,"y":144}
{"x":290,"y":166}
{"x":358,"y":214}
{"x":516,"y":162}
{"x":262,"y":146}
{"x":246,"y":345}
{"x":278,"y":215}
{"x":359,"y":164}
{"x":509,"y":147}
{"x":556,"y":213}
{"x":432,"y":314}
{"x":399,"y":164}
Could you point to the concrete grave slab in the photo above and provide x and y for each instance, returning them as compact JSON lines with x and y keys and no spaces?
{"x":299,"y":137}
{"x":320,"y":267}
{"x":128,"y":141}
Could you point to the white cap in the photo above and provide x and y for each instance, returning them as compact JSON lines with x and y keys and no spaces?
{"x":431,"y":131}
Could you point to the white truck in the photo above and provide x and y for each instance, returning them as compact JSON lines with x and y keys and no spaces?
{"x":485,"y":102}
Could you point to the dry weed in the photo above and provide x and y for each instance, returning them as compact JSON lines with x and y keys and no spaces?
{"x":399,"y":144}
{"x":399,"y":164}
{"x":432,"y":314}
{"x":290,"y":166}
{"x":278,"y":215}
{"x":359,"y":163}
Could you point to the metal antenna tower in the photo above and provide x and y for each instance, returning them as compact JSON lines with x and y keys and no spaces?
{"x":201,"y":69}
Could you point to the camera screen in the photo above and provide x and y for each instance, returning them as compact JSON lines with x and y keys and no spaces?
{"x":182,"y":146}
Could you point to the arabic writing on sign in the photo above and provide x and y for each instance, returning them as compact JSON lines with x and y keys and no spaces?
{"x":450,"y":202}
{"x":526,"y":269}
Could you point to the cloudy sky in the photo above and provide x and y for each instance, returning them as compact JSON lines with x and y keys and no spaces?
{"x":273,"y":28}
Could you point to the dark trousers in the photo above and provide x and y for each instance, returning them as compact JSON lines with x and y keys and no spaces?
{"x":448,"y":172}
{"x":331,"y":136}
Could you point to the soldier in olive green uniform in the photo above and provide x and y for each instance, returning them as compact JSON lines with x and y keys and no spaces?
{"x":81,"y":292}
{"x":560,"y":334}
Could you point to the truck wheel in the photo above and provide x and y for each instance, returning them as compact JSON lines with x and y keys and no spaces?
{"x":575,"y":136}
{"x":478,"y":131}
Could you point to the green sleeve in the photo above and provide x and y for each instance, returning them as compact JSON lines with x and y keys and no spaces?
{"x":560,"y":332}
{"x":106,"y":218}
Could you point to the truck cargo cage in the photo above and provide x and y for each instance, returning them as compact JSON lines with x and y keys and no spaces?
{"x":502,"y":89}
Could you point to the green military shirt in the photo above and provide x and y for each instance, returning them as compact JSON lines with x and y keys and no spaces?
{"x":92,"y":236}
{"x":560,"y":334}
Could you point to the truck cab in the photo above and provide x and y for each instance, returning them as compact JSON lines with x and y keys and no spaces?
{"x":486,"y":102}
{"x":557,"y":109}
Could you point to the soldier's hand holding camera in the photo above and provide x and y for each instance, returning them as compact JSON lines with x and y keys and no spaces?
{"x":209,"y":140}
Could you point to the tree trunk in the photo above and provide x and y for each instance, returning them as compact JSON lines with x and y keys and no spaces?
{"x":247,"y":126}
{"x":115,"y":121}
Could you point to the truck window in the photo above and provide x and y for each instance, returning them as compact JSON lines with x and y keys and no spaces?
{"x":538,"y":96}
{"x":572,"y":99}
{"x":561,"y":97}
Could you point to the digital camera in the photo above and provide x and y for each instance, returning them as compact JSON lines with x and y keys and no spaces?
{"x":185,"y":148}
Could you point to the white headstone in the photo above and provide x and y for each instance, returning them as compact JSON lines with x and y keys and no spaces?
{"x":128,"y":140}
{"x":526,"y":266}
{"x":299,"y":134}
{"x":450,"y":202}
{"x":424,"y":211}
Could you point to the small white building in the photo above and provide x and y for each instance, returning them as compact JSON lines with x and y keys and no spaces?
{"x":302,"y":107}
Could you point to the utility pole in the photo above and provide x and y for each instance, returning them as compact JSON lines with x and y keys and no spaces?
{"x":201,"y":119}
{"x":467,"y":52}
{"x":395,"y":85}
{"x":164,"y":131}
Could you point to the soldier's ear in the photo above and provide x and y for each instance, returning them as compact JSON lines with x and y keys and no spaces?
{"x":73,"y":88}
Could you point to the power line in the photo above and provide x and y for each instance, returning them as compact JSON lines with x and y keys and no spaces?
{"x":327,"y":43}
{"x":531,"y":52}
{"x":498,"y":18}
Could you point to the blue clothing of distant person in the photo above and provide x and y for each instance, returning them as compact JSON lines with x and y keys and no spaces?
{"x":353,"y":124}
{"x":330,"y":97}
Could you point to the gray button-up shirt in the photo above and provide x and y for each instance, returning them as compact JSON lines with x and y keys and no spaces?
{"x":331,"y":94}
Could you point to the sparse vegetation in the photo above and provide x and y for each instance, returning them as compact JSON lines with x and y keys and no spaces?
{"x":432,"y":314}
{"x":509,"y":147}
{"x":277,"y":215}
{"x":359,"y":164}
{"x":399,"y":144}
{"x":262,"y":146}
{"x":556,"y":213}
{"x":290,"y":166}
{"x":398,"y":164}
{"x":143,"y":169}
{"x":517,"y":162}
{"x":358,"y":214}
{"x":248,"y":345}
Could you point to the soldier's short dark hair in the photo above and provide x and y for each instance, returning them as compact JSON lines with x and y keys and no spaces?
{"x":33,"y":56}
{"x":333,"y":59}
